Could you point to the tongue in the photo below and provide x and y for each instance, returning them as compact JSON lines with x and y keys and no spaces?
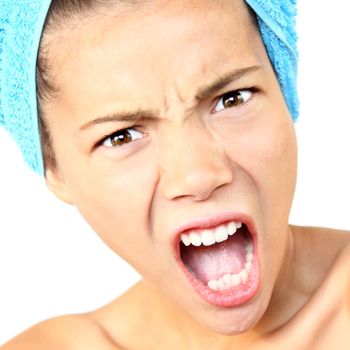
{"x":215,"y":261}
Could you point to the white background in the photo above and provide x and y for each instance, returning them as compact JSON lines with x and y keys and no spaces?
{"x":51,"y":263}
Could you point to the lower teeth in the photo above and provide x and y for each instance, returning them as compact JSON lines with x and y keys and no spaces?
{"x":228,"y":281}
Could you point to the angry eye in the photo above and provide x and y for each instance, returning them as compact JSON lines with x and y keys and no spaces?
{"x":233,"y":99}
{"x":121,"y":137}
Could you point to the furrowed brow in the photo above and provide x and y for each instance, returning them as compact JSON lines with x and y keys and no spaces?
{"x":203,"y":93}
{"x":224,"y":80}
{"x":120,"y":117}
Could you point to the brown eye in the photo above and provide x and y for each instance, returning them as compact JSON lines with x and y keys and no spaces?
{"x":233,"y":99}
{"x":121,"y":138}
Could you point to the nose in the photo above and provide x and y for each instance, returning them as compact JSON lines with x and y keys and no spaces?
{"x":193,"y":165}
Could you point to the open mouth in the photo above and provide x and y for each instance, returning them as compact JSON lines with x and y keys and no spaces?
{"x":221,"y":262}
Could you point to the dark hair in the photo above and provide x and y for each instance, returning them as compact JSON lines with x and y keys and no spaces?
{"x":63,"y":12}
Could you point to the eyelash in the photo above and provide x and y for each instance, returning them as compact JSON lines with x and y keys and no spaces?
{"x":119,"y":133}
{"x":245,"y":93}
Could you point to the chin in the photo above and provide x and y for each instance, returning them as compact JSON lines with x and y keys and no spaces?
{"x":233,"y":321}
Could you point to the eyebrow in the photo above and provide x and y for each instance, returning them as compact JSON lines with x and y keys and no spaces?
{"x":224,"y":80}
{"x":135,"y":117}
{"x":203,"y":93}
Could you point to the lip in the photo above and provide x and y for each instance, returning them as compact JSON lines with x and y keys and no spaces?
{"x":234,"y":296}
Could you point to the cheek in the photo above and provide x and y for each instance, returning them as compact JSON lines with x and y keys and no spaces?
{"x":266,"y":152}
{"x":276,"y":170}
{"x":115,"y":202}
{"x":272,"y":150}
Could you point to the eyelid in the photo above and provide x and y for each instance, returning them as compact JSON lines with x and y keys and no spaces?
{"x":252,"y":90}
{"x":110,"y":135}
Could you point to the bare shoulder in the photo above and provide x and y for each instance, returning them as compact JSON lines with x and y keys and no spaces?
{"x":329,"y":250}
{"x":326,"y":244}
{"x":321,"y":234}
{"x":324,"y":318}
{"x":66,"y":332}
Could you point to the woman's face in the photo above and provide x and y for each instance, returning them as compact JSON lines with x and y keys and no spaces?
{"x":209,"y":141}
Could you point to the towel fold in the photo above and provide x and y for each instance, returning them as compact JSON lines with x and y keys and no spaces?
{"x":277,"y":22}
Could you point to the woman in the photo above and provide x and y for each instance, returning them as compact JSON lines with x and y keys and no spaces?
{"x":167,"y":126}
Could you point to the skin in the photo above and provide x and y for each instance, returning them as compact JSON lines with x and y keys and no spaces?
{"x":190,"y":160}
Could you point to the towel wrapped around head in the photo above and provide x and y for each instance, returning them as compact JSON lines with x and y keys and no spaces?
{"x":21,"y":25}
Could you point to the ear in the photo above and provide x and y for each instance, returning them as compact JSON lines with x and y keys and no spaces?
{"x":56,"y":184}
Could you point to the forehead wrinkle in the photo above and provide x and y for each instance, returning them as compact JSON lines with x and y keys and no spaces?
{"x":178,"y":93}
{"x":173,"y":97}
{"x":166,"y":105}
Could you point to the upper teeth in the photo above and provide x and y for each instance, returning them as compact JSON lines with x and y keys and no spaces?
{"x":210,"y":236}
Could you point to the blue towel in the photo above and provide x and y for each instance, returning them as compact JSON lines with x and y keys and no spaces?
{"x":21,"y":24}
{"x":276,"y":20}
